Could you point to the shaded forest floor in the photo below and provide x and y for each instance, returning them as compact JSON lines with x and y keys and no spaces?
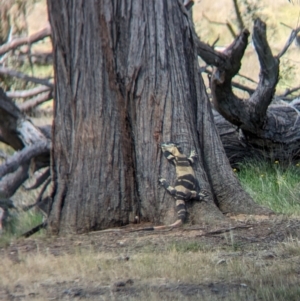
{"x":257,"y":260}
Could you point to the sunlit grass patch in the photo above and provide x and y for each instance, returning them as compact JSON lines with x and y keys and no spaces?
{"x":273,"y":279}
{"x":19,"y":223}
{"x":272,"y":185}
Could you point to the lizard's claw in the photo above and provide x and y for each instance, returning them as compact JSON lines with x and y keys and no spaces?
{"x":161,"y":181}
{"x":193,"y":154}
{"x":203,"y":194}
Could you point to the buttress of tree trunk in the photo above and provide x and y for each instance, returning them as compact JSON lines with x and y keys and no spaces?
{"x":127,"y":79}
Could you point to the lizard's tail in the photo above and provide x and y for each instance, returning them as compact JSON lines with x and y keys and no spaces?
{"x":178,"y":223}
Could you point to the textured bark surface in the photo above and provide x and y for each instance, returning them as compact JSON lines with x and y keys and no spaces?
{"x":283,"y":124}
{"x":127,"y":79}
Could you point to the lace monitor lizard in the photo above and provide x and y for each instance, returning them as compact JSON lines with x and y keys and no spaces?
{"x":185,"y":188}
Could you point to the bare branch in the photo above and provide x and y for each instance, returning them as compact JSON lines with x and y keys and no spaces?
{"x":290,"y":40}
{"x":288,"y":92}
{"x":247,"y":78}
{"x":27,"y":93}
{"x":231,"y":30}
{"x":288,"y":26}
{"x":38,"y":58}
{"x":188,"y":4}
{"x":211,"y":56}
{"x":35,"y":101}
{"x":247,"y":114}
{"x":10,"y":183}
{"x":250,"y":91}
{"x":243,"y":88}
{"x":14,"y":73}
{"x":45,"y":32}
{"x":34,"y":230}
{"x":269,"y":72}
{"x":24,"y":156}
{"x":40,"y":180}
{"x":39,"y":198}
{"x":238,"y":15}
{"x":227,"y":24}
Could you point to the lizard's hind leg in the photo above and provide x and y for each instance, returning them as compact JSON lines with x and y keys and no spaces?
{"x":202,"y":195}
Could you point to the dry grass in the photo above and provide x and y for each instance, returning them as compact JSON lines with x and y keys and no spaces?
{"x":269,"y":275}
{"x":167,"y":270}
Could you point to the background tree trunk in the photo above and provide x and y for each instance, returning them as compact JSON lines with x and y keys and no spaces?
{"x":127,"y":78}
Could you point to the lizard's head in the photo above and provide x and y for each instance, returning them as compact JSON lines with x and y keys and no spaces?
{"x":171,"y":147}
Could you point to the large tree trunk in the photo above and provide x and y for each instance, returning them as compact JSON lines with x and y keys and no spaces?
{"x":127,"y":79}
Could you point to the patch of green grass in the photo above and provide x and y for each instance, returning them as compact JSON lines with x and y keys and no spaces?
{"x":19,"y":223}
{"x":272,"y":185}
{"x":279,"y":293}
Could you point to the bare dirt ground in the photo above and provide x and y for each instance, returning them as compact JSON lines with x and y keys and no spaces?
{"x":236,"y":263}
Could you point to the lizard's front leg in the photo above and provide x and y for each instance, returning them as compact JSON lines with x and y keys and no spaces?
{"x":193,"y":156}
{"x":170,"y":189}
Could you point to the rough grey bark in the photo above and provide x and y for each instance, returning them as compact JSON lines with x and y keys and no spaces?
{"x":127,"y":79}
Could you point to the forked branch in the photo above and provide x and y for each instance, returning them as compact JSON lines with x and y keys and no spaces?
{"x":247,"y":114}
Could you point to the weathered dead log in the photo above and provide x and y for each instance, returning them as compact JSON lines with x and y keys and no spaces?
{"x":240,"y":147}
{"x":255,"y":126}
{"x":24,"y":156}
{"x":12,"y":181}
{"x":18,"y":132}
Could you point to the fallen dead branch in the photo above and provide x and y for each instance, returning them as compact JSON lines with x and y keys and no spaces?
{"x":24,"y":156}
{"x":33,"y":146}
{"x":27,"y":93}
{"x":40,"y":180}
{"x":20,"y":75}
{"x":35,"y":101}
{"x":39,"y":198}
{"x":256,"y":127}
{"x":15,"y":43}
